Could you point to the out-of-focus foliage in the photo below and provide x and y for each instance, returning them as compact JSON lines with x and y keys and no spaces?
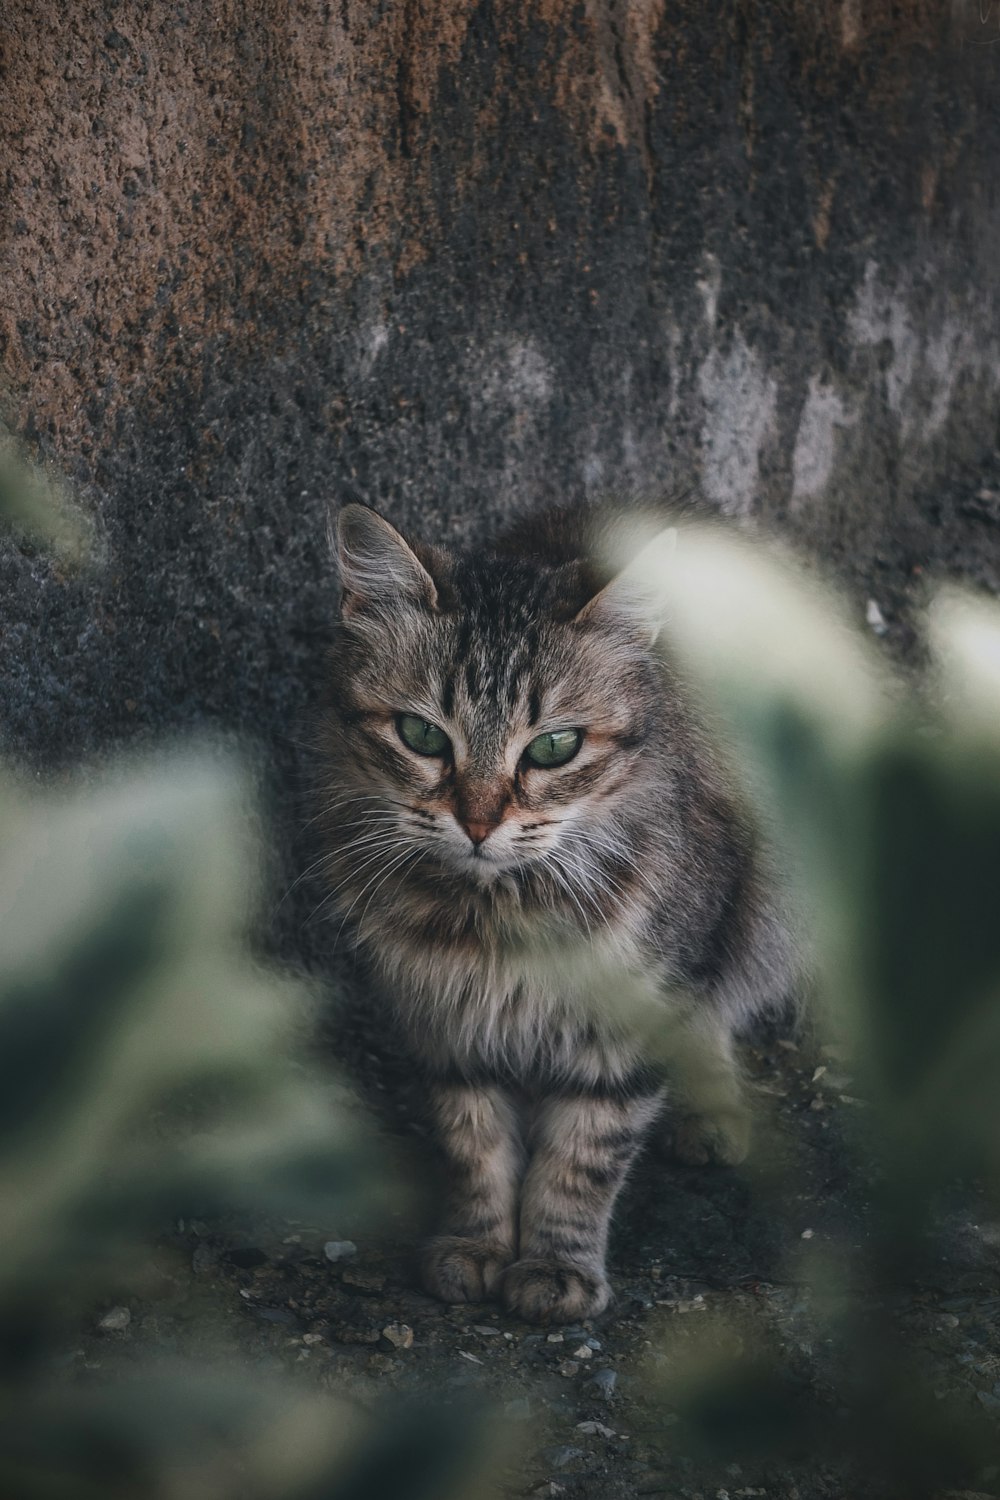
{"x":34,"y":505}
{"x":888,"y":809}
{"x":151,"y":1069}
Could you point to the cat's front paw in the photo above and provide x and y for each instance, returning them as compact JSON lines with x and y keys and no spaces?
{"x":463,"y":1270}
{"x":701,"y":1139}
{"x":548,"y":1291}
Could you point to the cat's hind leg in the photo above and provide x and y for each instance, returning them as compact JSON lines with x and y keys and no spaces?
{"x":709,"y":1118}
{"x":480,"y":1133}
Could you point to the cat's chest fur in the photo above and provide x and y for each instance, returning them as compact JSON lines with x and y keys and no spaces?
{"x":532,"y":1004}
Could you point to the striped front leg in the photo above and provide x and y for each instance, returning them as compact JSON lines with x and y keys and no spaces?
{"x":583,"y":1147}
{"x":479,"y":1130}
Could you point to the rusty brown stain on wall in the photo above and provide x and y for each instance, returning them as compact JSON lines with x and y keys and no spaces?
{"x":853,"y":24}
{"x":140,"y":183}
{"x":822,"y":217}
{"x":608,"y":85}
{"x":170,"y":174}
{"x":176,"y":174}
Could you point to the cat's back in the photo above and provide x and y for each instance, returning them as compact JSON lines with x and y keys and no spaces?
{"x":598,"y":534}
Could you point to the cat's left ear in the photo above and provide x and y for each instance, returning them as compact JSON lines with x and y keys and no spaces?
{"x":638,"y":594}
{"x":377,"y":565}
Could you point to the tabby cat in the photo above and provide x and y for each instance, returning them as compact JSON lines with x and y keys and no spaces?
{"x":518,"y":797}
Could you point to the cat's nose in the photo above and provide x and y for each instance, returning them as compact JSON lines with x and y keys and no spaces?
{"x":478,"y":831}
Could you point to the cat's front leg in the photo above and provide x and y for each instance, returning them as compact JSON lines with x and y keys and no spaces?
{"x":480,"y":1133}
{"x":583,"y":1147}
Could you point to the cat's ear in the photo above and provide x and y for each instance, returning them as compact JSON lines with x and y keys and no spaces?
{"x":376,"y":565}
{"x":636,"y":596}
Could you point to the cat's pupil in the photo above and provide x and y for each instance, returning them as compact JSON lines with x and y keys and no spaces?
{"x":555,"y":748}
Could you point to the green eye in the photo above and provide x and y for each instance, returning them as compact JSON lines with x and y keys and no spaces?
{"x":424,"y":738}
{"x":554,"y":749}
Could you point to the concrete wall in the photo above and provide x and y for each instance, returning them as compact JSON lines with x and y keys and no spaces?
{"x":460,"y":257}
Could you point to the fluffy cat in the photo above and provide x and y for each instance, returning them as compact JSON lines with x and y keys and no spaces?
{"x":521,"y":809}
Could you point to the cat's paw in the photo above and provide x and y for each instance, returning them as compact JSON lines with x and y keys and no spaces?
{"x":547,"y":1291}
{"x":698,"y":1140}
{"x":463,"y":1270}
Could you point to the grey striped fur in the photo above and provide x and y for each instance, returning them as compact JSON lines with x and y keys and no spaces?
{"x":525,"y":968}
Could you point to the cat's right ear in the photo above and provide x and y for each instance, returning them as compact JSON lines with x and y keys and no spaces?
{"x":637,"y":594}
{"x":377,"y":567}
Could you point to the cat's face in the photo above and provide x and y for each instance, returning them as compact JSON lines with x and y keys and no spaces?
{"x":492,"y":720}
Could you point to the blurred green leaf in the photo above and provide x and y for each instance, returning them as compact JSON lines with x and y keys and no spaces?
{"x":36,"y":506}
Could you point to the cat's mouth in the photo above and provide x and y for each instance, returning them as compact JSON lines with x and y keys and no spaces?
{"x":484,"y":863}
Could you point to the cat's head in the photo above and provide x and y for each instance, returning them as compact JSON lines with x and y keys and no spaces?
{"x":492,"y":709}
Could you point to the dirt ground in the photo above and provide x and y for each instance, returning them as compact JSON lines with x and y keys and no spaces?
{"x":702,"y":1260}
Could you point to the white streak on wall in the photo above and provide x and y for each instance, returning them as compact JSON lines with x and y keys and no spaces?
{"x":815,"y":455}
{"x":925,"y":366}
{"x":593,"y":473}
{"x":949,"y":351}
{"x":518,"y":374}
{"x":739,"y":400}
{"x":709,"y":284}
{"x":881,"y":313}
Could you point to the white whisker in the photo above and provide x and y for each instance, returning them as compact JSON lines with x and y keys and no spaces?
{"x":367,"y":885}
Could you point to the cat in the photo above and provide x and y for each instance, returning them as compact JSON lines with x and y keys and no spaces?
{"x":524,"y":818}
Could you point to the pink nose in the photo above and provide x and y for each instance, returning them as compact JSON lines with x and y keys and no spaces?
{"x":478,"y":831}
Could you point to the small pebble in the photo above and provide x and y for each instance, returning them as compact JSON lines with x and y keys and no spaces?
{"x":595,"y":1429}
{"x":947,"y":1320}
{"x":116,"y":1320}
{"x":584,"y":1352}
{"x":555,"y":1338}
{"x":807,"y":1234}
{"x":875,"y":618}
{"x":486,"y":1329}
{"x":358,"y":1336}
{"x":605,"y":1381}
{"x":205,"y":1258}
{"x":399,"y":1335}
{"x":278,"y":1315}
{"x":364,"y":1281}
{"x":569,"y":1368}
{"x":339,"y":1249}
{"x":560,"y":1457}
{"x":472,"y":1358}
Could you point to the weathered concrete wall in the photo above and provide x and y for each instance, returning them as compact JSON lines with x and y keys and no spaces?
{"x":462,"y":256}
